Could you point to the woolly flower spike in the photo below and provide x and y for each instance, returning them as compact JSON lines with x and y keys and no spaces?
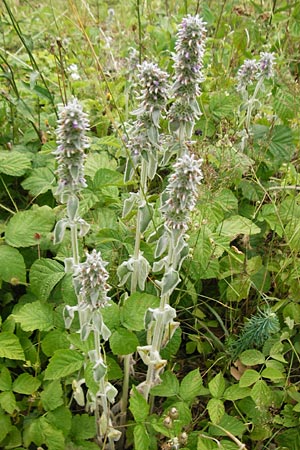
{"x":72,"y":141}
{"x":266,"y":65}
{"x":91,"y":280}
{"x":154,"y":83}
{"x":182,"y":192}
{"x":190,"y":46}
{"x":247,"y":73}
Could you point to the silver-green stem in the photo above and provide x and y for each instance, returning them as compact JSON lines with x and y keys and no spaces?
{"x":133,"y":286}
{"x":251,"y":104}
{"x":104,"y":401}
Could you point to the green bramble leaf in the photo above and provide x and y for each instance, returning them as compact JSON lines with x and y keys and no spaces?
{"x":54,"y":340}
{"x":5,"y":380}
{"x":26,"y":228}
{"x":217,"y":386}
{"x":5,"y":425}
{"x":39,"y":181}
{"x":134,"y":310}
{"x":236,"y":225}
{"x":8,"y":402}
{"x":139,"y":406}
{"x":123,"y":342}
{"x":261,"y":394}
{"x":52,"y":396}
{"x":26,"y":384}
{"x":53,"y":438}
{"x":63,"y":363}
{"x":249,"y":377}
{"x":235,"y":392}
{"x":168,"y":387}
{"x":10,"y":346}
{"x":14,"y":163}
{"x":191,"y":385}
{"x":141,"y":437}
{"x":35,"y":316}
{"x":12,"y":265}
{"x":61,"y":419}
{"x":83,"y":427}
{"x":44,"y":275}
{"x":252,"y":357}
{"x":215,"y":409}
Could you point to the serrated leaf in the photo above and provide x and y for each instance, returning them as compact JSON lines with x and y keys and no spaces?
{"x":61,"y":418}
{"x":138,"y":406}
{"x":83,"y":427}
{"x":26,"y":384}
{"x":26,"y":228}
{"x":134,"y":310}
{"x":217,"y":386}
{"x":54,"y":438}
{"x":191,"y":385}
{"x":141,"y":437}
{"x":168,"y":387}
{"x":63,"y":363}
{"x":52,"y":396}
{"x":236,"y":225}
{"x":281,"y":145}
{"x":252,"y":357}
{"x":5,"y":380}
{"x":35,"y":316}
{"x":235,"y":392}
{"x":230,"y":424}
{"x":107,"y":177}
{"x":10,"y":346}
{"x":5,"y":425}
{"x":215,"y":409}
{"x":261,"y":394}
{"x":123,"y":342}
{"x":12,"y":265}
{"x":8,"y":402}
{"x":44,"y":275}
{"x":222,"y":105}
{"x":40,"y":181}
{"x":54,"y":340}
{"x":111,"y":316}
{"x":272,"y":374}
{"x":249,"y":377}
{"x":14,"y":163}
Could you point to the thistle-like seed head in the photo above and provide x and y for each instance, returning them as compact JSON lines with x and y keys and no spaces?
{"x":247,"y":74}
{"x":182,"y":192}
{"x":91,"y":280}
{"x":72,"y":141}
{"x":188,"y":57}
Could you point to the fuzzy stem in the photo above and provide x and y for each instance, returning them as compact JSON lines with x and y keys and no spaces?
{"x":251,"y":104}
{"x":104,"y":400}
{"x":133,"y":287}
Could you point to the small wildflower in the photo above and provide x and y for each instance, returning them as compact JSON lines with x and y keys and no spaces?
{"x":73,"y":71}
{"x":266,"y":65}
{"x":190,"y":46}
{"x":182,"y":191}
{"x":91,"y":280}
{"x":247,"y":74}
{"x":72,"y":141}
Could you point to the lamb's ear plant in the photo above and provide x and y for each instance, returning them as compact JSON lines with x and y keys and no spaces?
{"x":89,"y":277}
{"x":188,"y":65}
{"x":143,"y":148}
{"x":255,"y":73}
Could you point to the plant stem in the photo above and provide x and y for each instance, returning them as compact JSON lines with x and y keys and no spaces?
{"x":133,"y":287}
{"x":251,"y":104}
{"x":104,"y":401}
